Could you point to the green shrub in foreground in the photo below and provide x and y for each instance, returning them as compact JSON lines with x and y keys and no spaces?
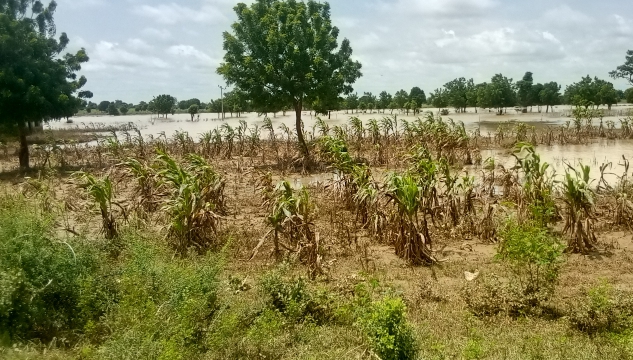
{"x":387,"y":330}
{"x":602,"y":309}
{"x":166,"y":307}
{"x":40,"y":276}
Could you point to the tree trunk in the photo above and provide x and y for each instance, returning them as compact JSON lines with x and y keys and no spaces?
{"x":302,"y":143}
{"x":24,"y":149}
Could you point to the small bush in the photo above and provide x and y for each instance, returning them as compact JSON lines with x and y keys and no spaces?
{"x":533,"y":257}
{"x":166,"y":305}
{"x":40,"y":276}
{"x":388,"y":331}
{"x":603,"y":308}
{"x":294,"y":300}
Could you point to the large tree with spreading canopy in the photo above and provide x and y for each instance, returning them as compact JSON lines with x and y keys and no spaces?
{"x":37,"y":82}
{"x":286,"y":51}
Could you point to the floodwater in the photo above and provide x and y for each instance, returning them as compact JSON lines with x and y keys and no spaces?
{"x":593,"y":154}
{"x":151,"y":125}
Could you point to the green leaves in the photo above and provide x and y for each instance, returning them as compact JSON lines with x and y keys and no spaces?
{"x":625,"y":71}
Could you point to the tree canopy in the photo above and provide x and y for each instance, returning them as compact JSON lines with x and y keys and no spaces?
{"x":591,"y":91}
{"x":38,"y":82}
{"x":624,"y":71}
{"x":628,"y":95}
{"x":287,"y":51}
{"x":163,"y":104}
{"x":418,"y":95}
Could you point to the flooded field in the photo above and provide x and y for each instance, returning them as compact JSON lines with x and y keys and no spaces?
{"x":484,"y":120}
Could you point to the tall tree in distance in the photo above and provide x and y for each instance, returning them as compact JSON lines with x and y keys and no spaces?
{"x":525,"y":94}
{"x":628,"y":95}
{"x":456,"y":93}
{"x":549,"y":95}
{"x":288,"y":50}
{"x":418,"y":95}
{"x":37,"y":82}
{"x":624,"y":71}
{"x":384,"y":99}
{"x":163,"y":104}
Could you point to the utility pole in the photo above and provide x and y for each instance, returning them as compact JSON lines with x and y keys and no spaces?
{"x":222,"y":98}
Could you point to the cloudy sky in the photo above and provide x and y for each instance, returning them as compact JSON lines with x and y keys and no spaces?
{"x":141,"y":48}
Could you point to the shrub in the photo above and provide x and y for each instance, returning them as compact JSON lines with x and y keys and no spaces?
{"x":603,"y":308}
{"x":293,"y":299}
{"x":166,"y":305}
{"x":388,"y":331}
{"x":533,"y":256}
{"x":40,"y":276}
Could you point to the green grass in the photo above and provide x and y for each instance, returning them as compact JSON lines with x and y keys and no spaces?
{"x":148,"y":303}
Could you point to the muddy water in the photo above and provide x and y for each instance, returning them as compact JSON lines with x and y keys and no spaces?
{"x":593,"y":154}
{"x":150,"y":125}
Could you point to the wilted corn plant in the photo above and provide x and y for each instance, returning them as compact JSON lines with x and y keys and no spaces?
{"x":537,"y":187}
{"x":196,"y":201}
{"x":146,"y":185}
{"x":100,"y":190}
{"x":579,"y":217}
{"x":291,"y":220}
{"x":408,"y":230}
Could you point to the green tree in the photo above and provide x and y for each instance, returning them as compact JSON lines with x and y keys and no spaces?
{"x":287,"y":50}
{"x":163,"y":104}
{"x":401,"y":97}
{"x":193,"y":110}
{"x":550,"y":95}
{"x":525,"y":93}
{"x":37,"y":82}
{"x":362,"y":106}
{"x":628,"y":95}
{"x":591,"y":91}
{"x":607,"y":95}
{"x":103,"y":106}
{"x":536,"y":96}
{"x":112,"y":110}
{"x":439,"y":99}
{"x":413,"y":105}
{"x":371,"y":106}
{"x":456,"y":94}
{"x":124,"y":109}
{"x":472,"y":91}
{"x":418,"y":95}
{"x":393,"y":106}
{"x":352,"y":101}
{"x":384,"y":99}
{"x":624,"y":71}
{"x":182,"y":105}
{"x":499,"y":93}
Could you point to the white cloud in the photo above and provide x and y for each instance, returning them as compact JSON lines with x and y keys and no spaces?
{"x":549,"y":36}
{"x":563,"y":15}
{"x":445,"y":8}
{"x":163,"y":34}
{"x":108,"y":55}
{"x":138,"y":44}
{"x":188,"y":51}
{"x":173,"y":13}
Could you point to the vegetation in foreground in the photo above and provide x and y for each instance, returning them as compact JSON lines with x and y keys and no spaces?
{"x":152,"y":259}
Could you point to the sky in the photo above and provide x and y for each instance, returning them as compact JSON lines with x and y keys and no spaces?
{"x":142,"y":48}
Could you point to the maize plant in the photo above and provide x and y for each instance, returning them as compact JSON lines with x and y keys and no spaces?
{"x":579,"y":217}
{"x":408,"y":228}
{"x":100,"y":190}
{"x":196,"y":201}
{"x":292,"y":228}
{"x":537,"y":184}
{"x":146,"y":184}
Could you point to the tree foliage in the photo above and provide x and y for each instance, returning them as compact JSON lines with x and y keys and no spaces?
{"x":624,"y":71}
{"x":39,"y":83}
{"x":525,"y":94}
{"x":628,"y":95}
{"x":163,"y":104}
{"x":286,"y":51}
{"x":418,"y":95}
{"x":591,"y":91}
